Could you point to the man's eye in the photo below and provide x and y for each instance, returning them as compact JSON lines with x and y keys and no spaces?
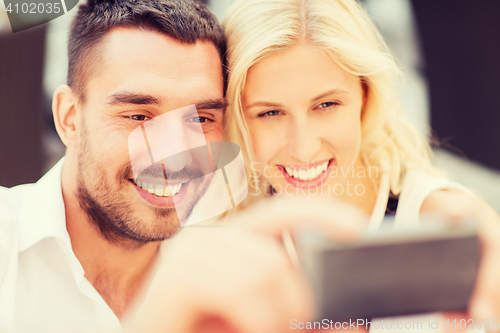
{"x":138,"y":117}
{"x":199,"y":120}
{"x":269,"y":114}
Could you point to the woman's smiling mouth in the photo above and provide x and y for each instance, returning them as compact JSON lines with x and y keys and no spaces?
{"x":311,"y":174}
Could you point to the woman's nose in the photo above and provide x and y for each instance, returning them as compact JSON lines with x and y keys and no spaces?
{"x":304,"y":139}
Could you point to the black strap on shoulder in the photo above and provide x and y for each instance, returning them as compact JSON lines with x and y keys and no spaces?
{"x":392,"y":204}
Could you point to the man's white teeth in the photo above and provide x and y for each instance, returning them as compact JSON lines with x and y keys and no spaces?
{"x":304,"y":174}
{"x":160,"y":190}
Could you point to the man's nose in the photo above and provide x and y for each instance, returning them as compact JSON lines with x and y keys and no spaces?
{"x":177,"y":141}
{"x":304,"y":140}
{"x":171,"y":140}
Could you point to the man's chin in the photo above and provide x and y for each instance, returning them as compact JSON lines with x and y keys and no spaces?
{"x":152,"y":225}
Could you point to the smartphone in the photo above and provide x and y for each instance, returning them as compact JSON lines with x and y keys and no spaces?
{"x":393,"y":273}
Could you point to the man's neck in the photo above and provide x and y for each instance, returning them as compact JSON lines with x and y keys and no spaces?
{"x":117,"y":271}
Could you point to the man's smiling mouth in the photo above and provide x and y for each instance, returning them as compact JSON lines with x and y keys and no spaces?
{"x":159,"y":190}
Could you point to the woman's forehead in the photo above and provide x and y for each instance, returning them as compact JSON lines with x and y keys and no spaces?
{"x":301,"y":70}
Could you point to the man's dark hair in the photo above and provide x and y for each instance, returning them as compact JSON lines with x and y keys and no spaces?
{"x":187,"y":21}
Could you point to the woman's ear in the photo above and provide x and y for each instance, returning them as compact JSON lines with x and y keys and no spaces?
{"x":64,"y":110}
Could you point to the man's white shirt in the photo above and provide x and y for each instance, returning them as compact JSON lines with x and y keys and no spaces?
{"x":42,"y":283}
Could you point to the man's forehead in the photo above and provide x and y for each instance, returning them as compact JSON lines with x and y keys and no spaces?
{"x":146,"y":67}
{"x":129,"y":44}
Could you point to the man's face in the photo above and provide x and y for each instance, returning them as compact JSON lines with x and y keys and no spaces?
{"x":142,"y":75}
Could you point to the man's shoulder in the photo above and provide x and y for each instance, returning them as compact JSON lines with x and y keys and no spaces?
{"x":11,"y":201}
{"x":15,"y":200}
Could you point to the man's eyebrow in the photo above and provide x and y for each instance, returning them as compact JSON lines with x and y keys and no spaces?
{"x":213,"y":104}
{"x":132,"y":98}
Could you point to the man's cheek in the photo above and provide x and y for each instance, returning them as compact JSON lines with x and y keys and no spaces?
{"x":114,"y":143}
{"x":214,"y":134}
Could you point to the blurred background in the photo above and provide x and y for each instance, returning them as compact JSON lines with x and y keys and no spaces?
{"x":449,"y":50}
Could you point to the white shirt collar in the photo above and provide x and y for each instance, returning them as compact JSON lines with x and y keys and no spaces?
{"x":42,"y":213}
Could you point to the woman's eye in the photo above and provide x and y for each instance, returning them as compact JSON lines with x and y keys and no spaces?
{"x":199,"y":120}
{"x":327,"y":104}
{"x":269,"y":114}
{"x":138,"y":117}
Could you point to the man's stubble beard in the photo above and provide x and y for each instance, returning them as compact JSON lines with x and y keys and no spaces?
{"x":112,"y":214}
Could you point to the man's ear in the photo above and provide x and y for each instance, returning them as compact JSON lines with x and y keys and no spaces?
{"x":64,"y":110}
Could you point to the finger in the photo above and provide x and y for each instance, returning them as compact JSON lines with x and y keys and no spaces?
{"x":213,"y":324}
{"x":296,"y":295}
{"x":450,"y":320}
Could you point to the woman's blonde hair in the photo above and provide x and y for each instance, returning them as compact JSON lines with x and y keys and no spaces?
{"x":259,"y":28}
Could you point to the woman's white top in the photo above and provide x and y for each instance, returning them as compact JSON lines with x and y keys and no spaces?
{"x":417,"y":185}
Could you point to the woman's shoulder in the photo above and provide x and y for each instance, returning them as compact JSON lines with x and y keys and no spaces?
{"x":452,"y":202}
{"x":423,"y":192}
{"x":440,"y":195}
{"x":419,"y":184}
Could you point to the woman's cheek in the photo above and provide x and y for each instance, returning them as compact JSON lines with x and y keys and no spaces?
{"x":262,"y":146}
{"x":347,"y":140}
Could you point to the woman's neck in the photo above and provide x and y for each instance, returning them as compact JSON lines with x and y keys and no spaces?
{"x":360,"y":185}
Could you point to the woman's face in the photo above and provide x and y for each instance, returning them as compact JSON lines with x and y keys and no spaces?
{"x":304,"y":117}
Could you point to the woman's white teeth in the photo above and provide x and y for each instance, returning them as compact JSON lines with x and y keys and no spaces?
{"x":160,"y":190}
{"x":306,"y":174}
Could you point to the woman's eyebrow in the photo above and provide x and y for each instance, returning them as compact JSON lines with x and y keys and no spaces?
{"x":133,"y":98}
{"x":268,"y":104}
{"x":328,"y":93}
{"x":271,"y":104}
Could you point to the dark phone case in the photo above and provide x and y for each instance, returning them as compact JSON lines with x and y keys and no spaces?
{"x":378,"y":280}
